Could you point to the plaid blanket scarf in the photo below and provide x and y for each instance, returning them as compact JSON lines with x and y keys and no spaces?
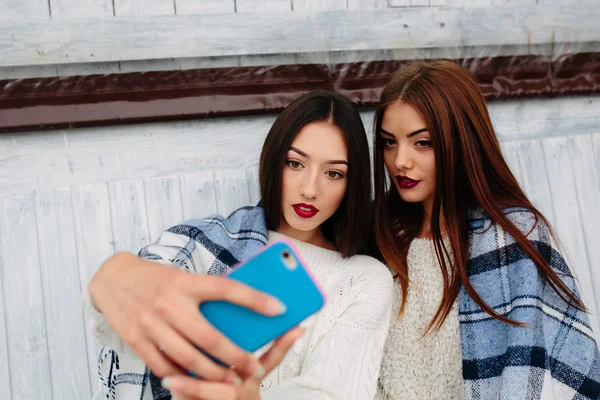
{"x":554,"y":357}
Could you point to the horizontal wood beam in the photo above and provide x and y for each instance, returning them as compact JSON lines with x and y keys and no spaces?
{"x":42,"y":103}
{"x":183,"y":36}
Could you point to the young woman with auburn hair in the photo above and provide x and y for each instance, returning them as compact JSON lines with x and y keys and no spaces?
{"x":315,"y":187}
{"x":485,"y":306}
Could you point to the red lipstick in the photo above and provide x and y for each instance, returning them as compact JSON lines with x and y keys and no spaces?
{"x":405,"y":182}
{"x":305,"y":210}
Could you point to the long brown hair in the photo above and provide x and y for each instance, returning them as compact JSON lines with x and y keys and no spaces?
{"x":470,"y":173}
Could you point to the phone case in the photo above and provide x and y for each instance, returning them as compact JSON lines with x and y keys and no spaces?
{"x":270,"y":272}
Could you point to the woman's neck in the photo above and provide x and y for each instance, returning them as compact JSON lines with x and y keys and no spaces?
{"x":314,"y":237}
{"x":425,"y":232}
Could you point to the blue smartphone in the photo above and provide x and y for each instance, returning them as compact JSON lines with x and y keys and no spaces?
{"x":279,"y":271}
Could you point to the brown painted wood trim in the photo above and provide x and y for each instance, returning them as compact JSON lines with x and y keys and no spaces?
{"x":44,"y":103}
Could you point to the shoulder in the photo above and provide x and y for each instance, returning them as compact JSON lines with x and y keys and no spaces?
{"x":526,"y":221}
{"x":371,"y":273}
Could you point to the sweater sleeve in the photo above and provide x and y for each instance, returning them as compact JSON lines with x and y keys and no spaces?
{"x":345,"y":351}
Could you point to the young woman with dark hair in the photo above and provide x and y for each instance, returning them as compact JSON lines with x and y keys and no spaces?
{"x":315,"y":191}
{"x":485,"y":306}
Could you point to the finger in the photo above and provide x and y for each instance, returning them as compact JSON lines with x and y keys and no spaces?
{"x":183,"y":353}
{"x":207,"y":287}
{"x":197,"y":330}
{"x":160,"y":365}
{"x":185,"y":387}
{"x":279,"y":349}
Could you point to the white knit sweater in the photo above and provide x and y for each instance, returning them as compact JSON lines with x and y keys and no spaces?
{"x":339,"y":355}
{"x":417,"y":367}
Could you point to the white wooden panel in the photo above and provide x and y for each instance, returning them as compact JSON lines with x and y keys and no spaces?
{"x":64,"y":9}
{"x":128,"y":215}
{"x":61,"y":285}
{"x":568,"y":219}
{"x":144,"y":7}
{"x":231,"y":190}
{"x":586,"y":178}
{"x":439,"y":2}
{"x":510,"y":151}
{"x":27,"y":71}
{"x":409,"y":3}
{"x":253,"y":185}
{"x":272,"y":59}
{"x":205,"y":6}
{"x":535,"y":177}
{"x":95,"y":243}
{"x":164,"y":37}
{"x":318,"y":5}
{"x":87,"y":69}
{"x":5,"y":392}
{"x":366,"y":4}
{"x":23,"y":296}
{"x":245,"y":6}
{"x":596,"y":150}
{"x":163,"y":203}
{"x":198,"y":195}
{"x":168,"y":64}
{"x":209,"y":62}
{"x":24,"y":10}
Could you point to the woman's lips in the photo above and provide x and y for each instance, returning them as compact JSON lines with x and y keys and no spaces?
{"x":405,"y":182}
{"x":305,"y":210}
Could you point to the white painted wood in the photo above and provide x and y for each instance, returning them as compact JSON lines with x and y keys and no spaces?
{"x":61,"y":285}
{"x":27,"y":71}
{"x":209,"y":62}
{"x":366,"y":4}
{"x":535,"y":177}
{"x":434,"y":3}
{"x":144,"y":7}
{"x":569,"y":221}
{"x":24,"y":299}
{"x":24,"y":10}
{"x":128,"y":215}
{"x":66,"y":9}
{"x":319,"y":5}
{"x":95,"y":243}
{"x":596,"y":151}
{"x":149,"y":65}
{"x":164,"y":37}
{"x":231,"y":190}
{"x":163,"y":204}
{"x":253,"y":185}
{"x":198,"y":195}
{"x":586,"y":178}
{"x":205,"y":6}
{"x":510,"y":151}
{"x":246,"y":6}
{"x":5,"y":388}
{"x":87,"y":69}
{"x":259,"y":60}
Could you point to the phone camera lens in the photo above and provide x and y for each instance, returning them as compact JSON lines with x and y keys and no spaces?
{"x":286,"y":254}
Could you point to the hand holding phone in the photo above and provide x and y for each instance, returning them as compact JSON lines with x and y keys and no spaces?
{"x":278,"y":270}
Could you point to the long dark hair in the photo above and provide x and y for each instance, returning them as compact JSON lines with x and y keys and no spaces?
{"x":347,"y":226}
{"x":470,"y":173}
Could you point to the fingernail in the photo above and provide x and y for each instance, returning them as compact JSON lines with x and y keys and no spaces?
{"x":259,"y":372}
{"x":167,"y":383}
{"x":276,"y":307}
{"x":234,"y":380}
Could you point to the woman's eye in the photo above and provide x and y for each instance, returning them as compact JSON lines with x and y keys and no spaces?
{"x":424,"y":143}
{"x":334,"y":175}
{"x":388,"y":142}
{"x":294,"y":164}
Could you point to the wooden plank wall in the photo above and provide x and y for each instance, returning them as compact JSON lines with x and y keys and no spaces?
{"x":69,"y":199}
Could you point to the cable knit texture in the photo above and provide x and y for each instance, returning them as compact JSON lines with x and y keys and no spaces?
{"x":339,"y":355}
{"x":416,"y":366}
